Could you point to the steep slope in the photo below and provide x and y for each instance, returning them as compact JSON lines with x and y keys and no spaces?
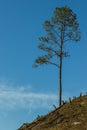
{"x":70,"y":116}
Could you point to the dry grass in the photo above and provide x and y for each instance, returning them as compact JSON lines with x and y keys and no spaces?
{"x":70,"y":116}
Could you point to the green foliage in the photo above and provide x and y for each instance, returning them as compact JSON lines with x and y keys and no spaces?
{"x":62,"y":27}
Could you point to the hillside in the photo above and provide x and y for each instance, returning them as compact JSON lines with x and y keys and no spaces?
{"x":70,"y":116}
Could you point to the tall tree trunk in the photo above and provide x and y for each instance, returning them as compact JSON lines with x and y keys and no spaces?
{"x":60,"y":71}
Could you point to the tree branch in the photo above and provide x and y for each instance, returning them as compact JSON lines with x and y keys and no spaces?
{"x":52,"y":63}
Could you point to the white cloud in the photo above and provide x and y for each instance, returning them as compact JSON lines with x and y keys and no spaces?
{"x":12,"y":97}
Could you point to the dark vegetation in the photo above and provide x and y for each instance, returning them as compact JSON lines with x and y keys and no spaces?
{"x":69,"y":116}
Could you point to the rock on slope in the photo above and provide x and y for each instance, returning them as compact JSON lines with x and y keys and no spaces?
{"x":70,"y":116}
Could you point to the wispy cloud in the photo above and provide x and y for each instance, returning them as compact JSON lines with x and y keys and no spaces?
{"x":12,"y":97}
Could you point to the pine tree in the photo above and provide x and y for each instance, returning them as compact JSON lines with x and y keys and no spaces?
{"x":63,"y":27}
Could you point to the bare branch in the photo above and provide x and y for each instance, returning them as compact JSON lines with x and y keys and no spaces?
{"x":52,"y":63}
{"x":67,"y":40}
{"x":56,"y":32}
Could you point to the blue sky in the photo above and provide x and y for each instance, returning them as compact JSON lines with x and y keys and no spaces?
{"x":26,"y":92}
